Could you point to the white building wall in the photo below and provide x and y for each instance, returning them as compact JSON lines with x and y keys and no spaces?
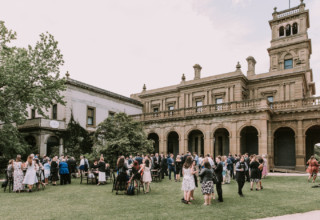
{"x":81,"y":99}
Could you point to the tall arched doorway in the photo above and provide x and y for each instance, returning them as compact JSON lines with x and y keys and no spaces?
{"x":196,"y":142}
{"x":155,"y":138}
{"x":53,"y":146}
{"x":173,"y":143}
{"x":249,"y":141}
{"x":31,"y":141}
{"x":284,"y":148}
{"x":312,"y":139}
{"x":221,"y":142}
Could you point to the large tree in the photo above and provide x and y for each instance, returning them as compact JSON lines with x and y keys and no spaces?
{"x":28,"y":77}
{"x":77,"y":140}
{"x":120,"y":135}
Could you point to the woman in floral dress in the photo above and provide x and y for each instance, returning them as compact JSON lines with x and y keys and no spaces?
{"x":188,"y":183}
{"x":18,"y":175}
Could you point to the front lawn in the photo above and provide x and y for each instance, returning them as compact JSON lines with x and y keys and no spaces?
{"x":280,"y":196}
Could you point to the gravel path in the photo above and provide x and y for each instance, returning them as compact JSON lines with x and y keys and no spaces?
{"x":299,"y":216}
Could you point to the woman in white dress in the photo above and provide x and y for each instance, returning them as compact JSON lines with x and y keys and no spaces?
{"x":31,"y":177}
{"x":188,"y":183}
{"x":146,"y":174}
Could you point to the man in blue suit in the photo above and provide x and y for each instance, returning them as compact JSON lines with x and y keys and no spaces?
{"x":170,"y":162}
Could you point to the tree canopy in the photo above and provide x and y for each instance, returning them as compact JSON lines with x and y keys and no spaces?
{"x":28,"y":77}
{"x":121,"y":135}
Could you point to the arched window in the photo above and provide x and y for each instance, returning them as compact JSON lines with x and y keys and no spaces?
{"x":281,"y":31}
{"x":294,"y":28}
{"x":288,"y":30}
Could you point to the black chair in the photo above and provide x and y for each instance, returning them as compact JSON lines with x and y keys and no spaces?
{"x":109,"y":176}
{"x":8,"y":183}
{"x":155,"y":174}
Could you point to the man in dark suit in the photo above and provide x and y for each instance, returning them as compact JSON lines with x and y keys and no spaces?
{"x":157,"y":161}
{"x":247,"y":161}
{"x":139,"y":159}
{"x":164,"y":166}
{"x":218,"y":171}
{"x":72,"y":164}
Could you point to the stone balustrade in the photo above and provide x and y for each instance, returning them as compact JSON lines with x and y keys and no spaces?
{"x":43,"y":123}
{"x":288,"y":13}
{"x":230,"y":108}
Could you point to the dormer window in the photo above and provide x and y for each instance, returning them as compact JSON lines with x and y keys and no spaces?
{"x":288,"y":30}
{"x":281,"y":31}
{"x":288,"y":64}
{"x":294,"y":28}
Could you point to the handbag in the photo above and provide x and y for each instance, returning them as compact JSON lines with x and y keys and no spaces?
{"x":214,"y":178}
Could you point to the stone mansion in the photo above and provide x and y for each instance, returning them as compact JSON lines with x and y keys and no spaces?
{"x":273,"y":113}
{"x":89,"y":106}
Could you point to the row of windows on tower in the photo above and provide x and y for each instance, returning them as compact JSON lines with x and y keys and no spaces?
{"x":288,"y":30}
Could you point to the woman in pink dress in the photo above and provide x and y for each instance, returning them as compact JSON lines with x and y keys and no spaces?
{"x":313,"y":168}
{"x":18,"y":185}
{"x":265,"y":166}
{"x":146,"y":167}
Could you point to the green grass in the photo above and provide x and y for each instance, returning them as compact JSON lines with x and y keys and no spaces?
{"x":280,"y":196}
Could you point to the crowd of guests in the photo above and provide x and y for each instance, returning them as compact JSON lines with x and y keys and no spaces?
{"x":137,"y":170}
{"x":37,"y":171}
{"x":212,"y":171}
{"x":216,"y":171}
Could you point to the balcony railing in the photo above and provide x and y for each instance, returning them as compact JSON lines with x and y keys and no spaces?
{"x":43,"y":123}
{"x":232,"y":107}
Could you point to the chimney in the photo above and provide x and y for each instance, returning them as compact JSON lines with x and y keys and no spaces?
{"x":197,"y":71}
{"x":251,"y":66}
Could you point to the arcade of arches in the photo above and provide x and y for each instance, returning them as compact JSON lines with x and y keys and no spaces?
{"x":287,"y":147}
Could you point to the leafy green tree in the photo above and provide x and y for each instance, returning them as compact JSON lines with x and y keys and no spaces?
{"x":77,"y":140}
{"x":120,"y":135}
{"x":28,"y":77}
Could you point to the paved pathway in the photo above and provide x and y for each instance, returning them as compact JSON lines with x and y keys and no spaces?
{"x":300,"y":216}
{"x":288,"y":174}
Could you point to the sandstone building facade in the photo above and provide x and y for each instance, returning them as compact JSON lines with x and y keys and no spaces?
{"x":89,"y":106}
{"x":273,"y":113}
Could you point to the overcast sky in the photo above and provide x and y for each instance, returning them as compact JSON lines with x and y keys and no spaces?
{"x":119,"y":45}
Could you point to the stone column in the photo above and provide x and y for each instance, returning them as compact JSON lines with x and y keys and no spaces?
{"x":162,"y":143}
{"x":211,"y":146}
{"x":199,"y":144}
{"x":43,"y":145}
{"x":231,"y":94}
{"x":287,"y":92}
{"x":227,"y":95}
{"x":233,"y":140}
{"x":300,"y":146}
{"x":263,"y":138}
{"x":182,"y":142}
{"x":185,"y":145}
{"x":270,"y":147}
{"x":61,"y":147}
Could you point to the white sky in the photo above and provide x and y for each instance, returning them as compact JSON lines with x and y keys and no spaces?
{"x":119,"y":45}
